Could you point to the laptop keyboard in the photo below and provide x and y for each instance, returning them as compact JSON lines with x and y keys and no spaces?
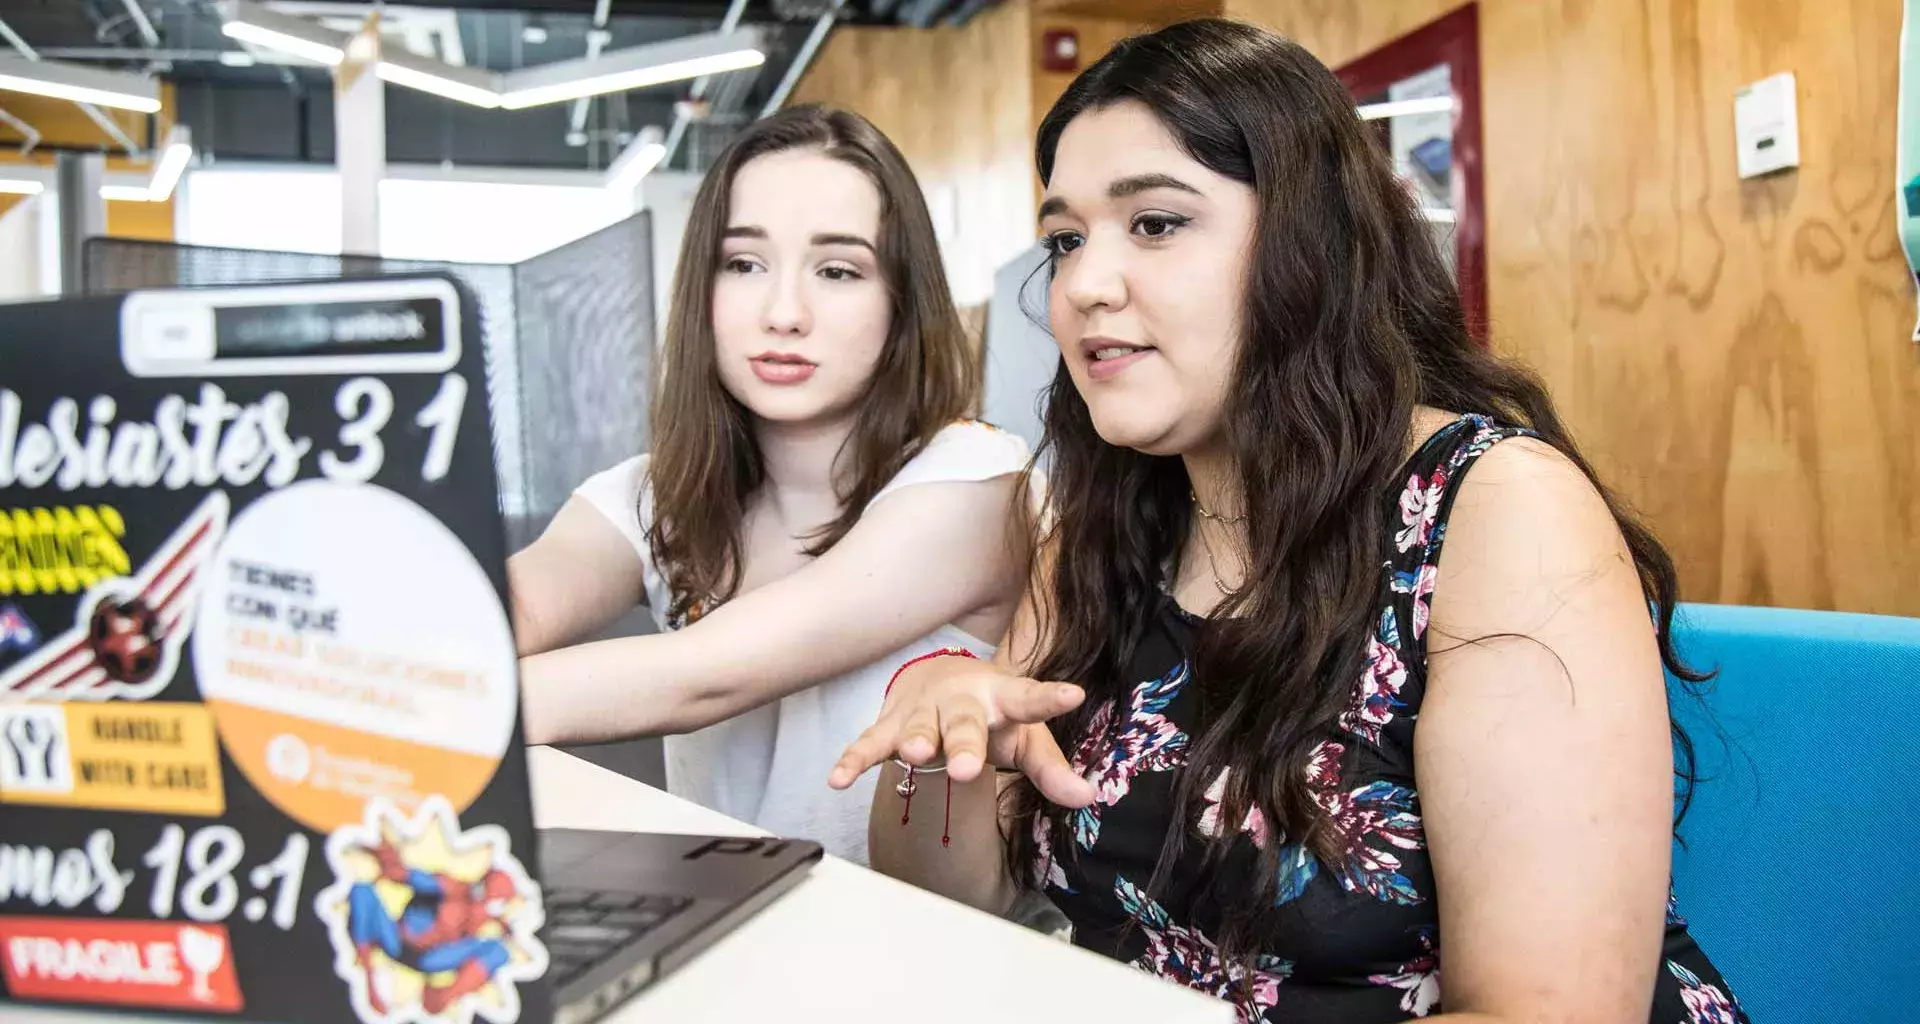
{"x":584,"y":928}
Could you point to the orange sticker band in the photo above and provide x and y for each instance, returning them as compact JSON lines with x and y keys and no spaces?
{"x":323,"y":775}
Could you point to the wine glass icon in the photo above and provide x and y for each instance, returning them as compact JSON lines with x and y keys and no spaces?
{"x":202,"y":951}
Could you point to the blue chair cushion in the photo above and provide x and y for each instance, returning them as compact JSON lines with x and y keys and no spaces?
{"x":1794,"y":868}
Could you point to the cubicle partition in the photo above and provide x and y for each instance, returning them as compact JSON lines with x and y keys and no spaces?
{"x":569,"y":338}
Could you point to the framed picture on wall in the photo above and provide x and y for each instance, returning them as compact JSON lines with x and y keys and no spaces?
{"x":1422,"y":94}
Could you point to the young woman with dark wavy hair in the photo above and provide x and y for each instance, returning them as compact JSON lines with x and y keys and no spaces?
{"x":1338,"y":688}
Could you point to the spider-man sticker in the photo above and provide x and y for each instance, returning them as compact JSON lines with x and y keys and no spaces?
{"x":430,"y":922}
{"x":252,"y":581}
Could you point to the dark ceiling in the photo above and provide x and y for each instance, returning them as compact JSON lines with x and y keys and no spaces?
{"x":272,"y":111}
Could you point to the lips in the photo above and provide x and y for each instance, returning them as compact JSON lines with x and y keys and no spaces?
{"x":783,"y":368}
{"x":1108,"y":357}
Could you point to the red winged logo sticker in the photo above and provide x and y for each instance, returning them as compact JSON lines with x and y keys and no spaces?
{"x":127,"y":633}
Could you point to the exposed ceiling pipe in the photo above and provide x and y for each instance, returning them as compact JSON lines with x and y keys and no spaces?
{"x":114,"y":131}
{"x":129,"y":53}
{"x":141,"y":22}
{"x":94,"y":114}
{"x":802,"y":60}
{"x":13,"y":39}
{"x":683,"y":116}
{"x":32,"y":134}
{"x":596,"y":39}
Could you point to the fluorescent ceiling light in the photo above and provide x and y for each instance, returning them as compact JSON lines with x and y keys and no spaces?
{"x":21,"y":187}
{"x":65,"y":81}
{"x":319,"y":53}
{"x":173,"y":163}
{"x":237,"y":59}
{"x":253,"y":23}
{"x":1440,"y":215}
{"x":646,"y":158}
{"x":641,"y":156}
{"x":638,"y":78}
{"x":455,"y":83}
{"x":174,"y":157}
{"x":310,"y":40}
{"x":634,"y":67}
{"x":1405,"y":108}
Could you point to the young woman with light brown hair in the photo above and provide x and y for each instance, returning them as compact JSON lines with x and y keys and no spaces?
{"x":814,"y":509}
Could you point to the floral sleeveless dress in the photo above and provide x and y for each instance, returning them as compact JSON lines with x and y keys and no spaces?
{"x":1361,"y":941}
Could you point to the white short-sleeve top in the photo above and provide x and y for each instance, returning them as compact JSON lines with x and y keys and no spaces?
{"x":769,"y":766}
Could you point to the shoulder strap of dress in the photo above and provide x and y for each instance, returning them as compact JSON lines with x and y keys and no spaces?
{"x":1418,"y":520}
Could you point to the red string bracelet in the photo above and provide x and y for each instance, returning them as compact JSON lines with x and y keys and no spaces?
{"x":944,"y":652}
{"x":907,"y":787}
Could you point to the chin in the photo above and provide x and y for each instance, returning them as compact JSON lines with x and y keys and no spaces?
{"x":1149,"y":437}
{"x":789,"y":406}
{"x":786,"y":409}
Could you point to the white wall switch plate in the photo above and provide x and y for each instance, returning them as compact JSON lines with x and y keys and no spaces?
{"x":1766,"y":125}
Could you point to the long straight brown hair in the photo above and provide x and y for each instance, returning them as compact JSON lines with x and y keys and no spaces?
{"x":706,"y":461}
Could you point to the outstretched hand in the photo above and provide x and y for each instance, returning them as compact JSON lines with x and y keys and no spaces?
{"x":974,"y":714}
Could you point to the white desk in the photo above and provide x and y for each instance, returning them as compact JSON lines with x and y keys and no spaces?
{"x":845,"y":945}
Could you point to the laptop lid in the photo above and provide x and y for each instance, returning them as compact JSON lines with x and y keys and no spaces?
{"x":260,"y":748}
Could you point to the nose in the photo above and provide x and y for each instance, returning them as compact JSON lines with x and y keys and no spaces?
{"x":1092,"y":278}
{"x":787,"y":310}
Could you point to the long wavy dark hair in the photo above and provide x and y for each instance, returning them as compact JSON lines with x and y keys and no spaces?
{"x":705,"y":458}
{"x":1351,"y":320}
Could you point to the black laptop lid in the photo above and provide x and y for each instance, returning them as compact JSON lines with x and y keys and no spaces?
{"x":260,"y":748}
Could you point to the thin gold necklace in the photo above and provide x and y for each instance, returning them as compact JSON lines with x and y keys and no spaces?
{"x":1222,"y":520}
{"x":1213,"y":560}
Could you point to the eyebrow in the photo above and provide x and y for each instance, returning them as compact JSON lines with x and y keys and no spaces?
{"x":749,"y":231}
{"x":1121,"y":188}
{"x":836,"y":239}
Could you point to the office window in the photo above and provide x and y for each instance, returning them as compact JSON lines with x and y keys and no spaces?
{"x":298,"y":210}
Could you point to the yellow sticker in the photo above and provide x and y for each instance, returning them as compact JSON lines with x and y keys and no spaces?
{"x":60,"y":550}
{"x":147,"y":756}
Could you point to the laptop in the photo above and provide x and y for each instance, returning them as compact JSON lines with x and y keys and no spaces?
{"x":260,"y":742}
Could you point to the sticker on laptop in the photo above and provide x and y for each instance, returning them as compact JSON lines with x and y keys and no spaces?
{"x":137,"y":963}
{"x":430,"y":923}
{"x":352,"y":647}
{"x":128,"y":630}
{"x":151,"y":757}
{"x":62,"y":549}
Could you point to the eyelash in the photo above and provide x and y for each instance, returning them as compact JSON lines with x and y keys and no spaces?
{"x":1169,"y":222}
{"x":741,"y":265}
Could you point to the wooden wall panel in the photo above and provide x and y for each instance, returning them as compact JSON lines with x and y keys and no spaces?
{"x":956,"y":102}
{"x":963,"y":103}
{"x":1097,"y":36}
{"x":1734,"y":356}
{"x":1146,"y":12}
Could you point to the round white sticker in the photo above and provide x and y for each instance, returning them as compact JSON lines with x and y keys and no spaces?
{"x":352,"y":647}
